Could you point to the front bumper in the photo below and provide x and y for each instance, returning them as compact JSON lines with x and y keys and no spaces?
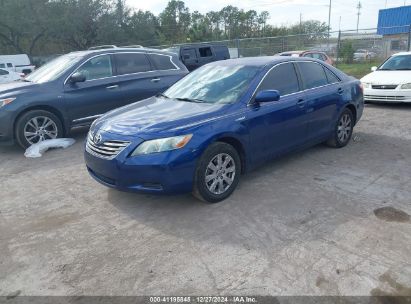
{"x":166,"y":172}
{"x":387,"y":96}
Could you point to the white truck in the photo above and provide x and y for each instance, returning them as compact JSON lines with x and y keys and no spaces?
{"x":18,"y":63}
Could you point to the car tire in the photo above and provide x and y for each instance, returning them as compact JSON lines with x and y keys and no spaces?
{"x":343,"y":130}
{"x":37,"y":125}
{"x":217,"y":173}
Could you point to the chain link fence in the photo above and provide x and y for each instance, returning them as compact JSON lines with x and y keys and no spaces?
{"x":343,"y":47}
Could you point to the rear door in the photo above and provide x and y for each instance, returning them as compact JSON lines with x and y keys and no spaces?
{"x":136,"y":76}
{"x":189,"y":58}
{"x":322,"y":97}
{"x":98,"y":94}
{"x":276,"y":127}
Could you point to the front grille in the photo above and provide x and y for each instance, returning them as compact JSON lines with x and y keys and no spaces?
{"x":384,"y":98}
{"x":384,"y":87}
{"x":107,"y":149}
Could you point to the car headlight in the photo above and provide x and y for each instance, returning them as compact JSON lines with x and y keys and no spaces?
{"x":406,"y":86}
{"x":366,"y":85}
{"x":6,"y":101}
{"x":162,"y":145}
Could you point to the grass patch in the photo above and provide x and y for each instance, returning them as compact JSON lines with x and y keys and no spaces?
{"x":358,"y":70}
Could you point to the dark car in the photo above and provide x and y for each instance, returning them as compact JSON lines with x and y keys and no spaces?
{"x":221,"y":120}
{"x":195,"y":55}
{"x":76,"y":88}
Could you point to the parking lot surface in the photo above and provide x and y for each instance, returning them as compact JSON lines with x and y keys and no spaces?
{"x":309,"y":223}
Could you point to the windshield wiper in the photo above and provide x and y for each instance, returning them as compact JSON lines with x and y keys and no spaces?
{"x":190,"y":100}
{"x":162,"y":95}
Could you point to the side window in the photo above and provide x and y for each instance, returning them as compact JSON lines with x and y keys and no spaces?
{"x":312,"y":75}
{"x":331,"y":76}
{"x":205,"y":52}
{"x":3,"y":72}
{"x":9,"y":65}
{"x":189,"y":54}
{"x":282,"y":78}
{"x":2,"y":66}
{"x":162,"y":62}
{"x":309,"y":55}
{"x":130,"y":63}
{"x":97,"y":67}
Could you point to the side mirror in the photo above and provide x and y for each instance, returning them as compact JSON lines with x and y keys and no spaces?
{"x":267,"y":96}
{"x":77,"y":77}
{"x":374,"y":68}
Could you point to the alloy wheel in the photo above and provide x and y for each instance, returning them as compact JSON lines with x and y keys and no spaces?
{"x":344,"y":128}
{"x":40,"y":128}
{"x":220,"y":173}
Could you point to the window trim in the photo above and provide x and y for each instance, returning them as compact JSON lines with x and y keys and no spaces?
{"x":250,"y":101}
{"x":115,"y":76}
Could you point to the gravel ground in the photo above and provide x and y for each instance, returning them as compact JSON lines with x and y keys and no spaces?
{"x":318,"y":222}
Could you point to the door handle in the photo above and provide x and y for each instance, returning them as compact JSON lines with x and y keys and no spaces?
{"x":301,"y":103}
{"x":112,"y":87}
{"x":155,"y":80}
{"x":340,"y":91}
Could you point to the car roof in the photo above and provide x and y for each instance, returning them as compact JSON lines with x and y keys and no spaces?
{"x":120,"y":50}
{"x":402,"y":53}
{"x":261,"y":61}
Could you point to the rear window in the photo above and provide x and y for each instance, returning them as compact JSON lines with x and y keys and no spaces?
{"x":130,"y":63}
{"x":312,"y":75}
{"x":162,"y":62}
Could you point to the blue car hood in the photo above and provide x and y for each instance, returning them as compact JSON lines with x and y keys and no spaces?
{"x":157,"y":115}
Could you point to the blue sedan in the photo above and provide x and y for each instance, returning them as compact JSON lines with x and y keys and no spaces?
{"x":220,"y":121}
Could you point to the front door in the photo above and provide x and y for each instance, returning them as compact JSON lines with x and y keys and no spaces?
{"x":276,"y":127}
{"x":98,"y":94}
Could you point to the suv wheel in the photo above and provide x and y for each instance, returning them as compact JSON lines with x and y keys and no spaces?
{"x":217,"y":174}
{"x":343,"y":130}
{"x":37,"y":125}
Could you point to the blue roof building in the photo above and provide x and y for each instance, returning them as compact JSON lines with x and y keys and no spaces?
{"x":394,"y":21}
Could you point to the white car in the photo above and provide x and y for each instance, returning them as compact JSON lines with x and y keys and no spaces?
{"x":391,"y":82}
{"x":7,"y":76}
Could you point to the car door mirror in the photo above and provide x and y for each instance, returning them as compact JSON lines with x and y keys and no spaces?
{"x":77,"y":77}
{"x":267,"y":96}
{"x":374,"y":68}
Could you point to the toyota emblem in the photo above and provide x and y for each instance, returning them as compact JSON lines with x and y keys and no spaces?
{"x":97,"y":138}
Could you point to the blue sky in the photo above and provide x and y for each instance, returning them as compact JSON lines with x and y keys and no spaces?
{"x":288,"y":11}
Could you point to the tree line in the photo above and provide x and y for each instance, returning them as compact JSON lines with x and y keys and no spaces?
{"x":43,"y":27}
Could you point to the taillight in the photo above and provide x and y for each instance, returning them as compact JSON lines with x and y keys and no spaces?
{"x":361,"y":88}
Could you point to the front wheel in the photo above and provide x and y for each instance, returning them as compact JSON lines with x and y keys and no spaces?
{"x":217,"y":174}
{"x":343,"y":130}
{"x":37,"y":125}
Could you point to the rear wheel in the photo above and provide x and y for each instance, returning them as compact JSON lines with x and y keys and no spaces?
{"x":217,"y":174}
{"x":37,"y":125}
{"x":343,"y":130}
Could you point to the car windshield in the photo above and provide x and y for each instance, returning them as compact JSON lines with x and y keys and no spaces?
{"x":214,"y":84}
{"x":55,"y":68}
{"x":397,"y":63}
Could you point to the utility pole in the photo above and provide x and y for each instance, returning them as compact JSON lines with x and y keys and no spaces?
{"x":339,"y":25}
{"x":359,"y":7}
{"x":329,"y":25}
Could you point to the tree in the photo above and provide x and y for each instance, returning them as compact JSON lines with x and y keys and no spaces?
{"x":175,"y":21}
